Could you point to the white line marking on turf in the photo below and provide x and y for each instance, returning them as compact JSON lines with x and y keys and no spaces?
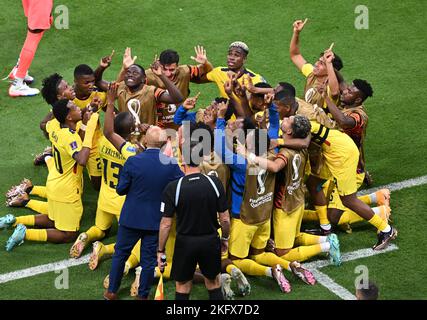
{"x":349,"y":256}
{"x":330,"y":284}
{"x":398,"y":185}
{"x":30,"y":272}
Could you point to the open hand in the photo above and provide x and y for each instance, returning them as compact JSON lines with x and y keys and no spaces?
{"x":200,"y":55}
{"x":127,"y":58}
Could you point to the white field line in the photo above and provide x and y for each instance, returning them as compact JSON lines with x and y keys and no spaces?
{"x":398,"y":185}
{"x":330,"y":284}
{"x":349,"y":256}
{"x":44,"y":268}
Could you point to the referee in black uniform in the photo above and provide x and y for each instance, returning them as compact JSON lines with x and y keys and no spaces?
{"x":197,"y":200}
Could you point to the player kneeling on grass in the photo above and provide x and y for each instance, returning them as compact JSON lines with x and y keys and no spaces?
{"x":289,"y":164}
{"x":250,"y":224}
{"x":64,"y":184}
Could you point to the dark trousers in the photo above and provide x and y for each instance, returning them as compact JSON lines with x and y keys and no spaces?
{"x":126,"y":240}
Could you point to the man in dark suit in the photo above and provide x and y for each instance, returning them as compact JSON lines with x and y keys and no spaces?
{"x":142,"y":180}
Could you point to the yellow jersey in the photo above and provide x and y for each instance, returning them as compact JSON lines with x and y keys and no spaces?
{"x":83,"y":104}
{"x":219,"y":76}
{"x":112,"y":162}
{"x":311,"y":95}
{"x":64,"y":182}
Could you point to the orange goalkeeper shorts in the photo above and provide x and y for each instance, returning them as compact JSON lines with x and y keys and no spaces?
{"x":38,"y":13}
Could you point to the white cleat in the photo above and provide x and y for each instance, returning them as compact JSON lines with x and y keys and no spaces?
{"x":227,"y":293}
{"x":12,"y":76}
{"x":22,"y":90}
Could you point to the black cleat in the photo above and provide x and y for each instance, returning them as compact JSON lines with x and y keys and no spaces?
{"x":319,"y":231}
{"x":384,"y":239}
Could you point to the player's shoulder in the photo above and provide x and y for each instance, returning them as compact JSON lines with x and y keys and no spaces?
{"x":128,"y":149}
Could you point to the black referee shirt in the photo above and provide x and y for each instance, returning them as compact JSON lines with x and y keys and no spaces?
{"x":198,"y":204}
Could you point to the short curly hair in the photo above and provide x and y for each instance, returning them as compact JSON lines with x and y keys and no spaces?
{"x":50,"y":88}
{"x":301,"y":127}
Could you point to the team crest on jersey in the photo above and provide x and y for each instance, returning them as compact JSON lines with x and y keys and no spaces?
{"x":73,"y":145}
{"x":131,"y":149}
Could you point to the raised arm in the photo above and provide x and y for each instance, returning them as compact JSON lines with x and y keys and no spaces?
{"x":202,"y":59}
{"x":294,"y":51}
{"x":103,"y":65}
{"x":82,"y":156}
{"x":241,"y":106}
{"x":173,"y":95}
{"x":127,"y":62}
{"x":332,"y":77}
{"x":116,"y":140}
{"x":235,"y":161}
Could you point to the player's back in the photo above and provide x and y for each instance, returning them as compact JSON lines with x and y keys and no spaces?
{"x":112,"y":162}
{"x":64,"y":183}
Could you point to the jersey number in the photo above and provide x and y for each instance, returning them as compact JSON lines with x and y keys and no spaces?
{"x":58,"y":163}
{"x":114,"y":175}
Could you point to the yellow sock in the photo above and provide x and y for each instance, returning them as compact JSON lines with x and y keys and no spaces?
{"x":306,"y":239}
{"x":136,"y":252}
{"x":250,"y":267}
{"x":94,"y":233}
{"x":29,"y":221}
{"x":132,"y":261}
{"x":39,"y":191}
{"x":322,"y":212}
{"x":270,"y":259}
{"x":36,"y":235}
{"x":166,"y":272}
{"x":108,"y":249}
{"x":37,"y":206}
{"x":365,"y":199}
{"x":350,"y":217}
{"x":378,"y":223}
{"x":303,"y":253}
{"x":310,"y":216}
{"x":50,"y":163}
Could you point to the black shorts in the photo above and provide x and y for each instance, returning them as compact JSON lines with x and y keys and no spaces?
{"x":192,"y":250}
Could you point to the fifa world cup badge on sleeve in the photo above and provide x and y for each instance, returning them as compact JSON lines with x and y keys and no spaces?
{"x":73,"y":145}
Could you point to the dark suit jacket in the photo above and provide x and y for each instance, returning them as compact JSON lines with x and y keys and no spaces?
{"x":142,"y":180}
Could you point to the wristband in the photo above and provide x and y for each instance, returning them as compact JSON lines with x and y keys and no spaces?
{"x":251,"y":157}
{"x":83,"y":127}
{"x":160,"y":251}
{"x":225,"y":239}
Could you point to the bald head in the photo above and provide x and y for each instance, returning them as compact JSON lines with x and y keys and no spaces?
{"x":155,"y":137}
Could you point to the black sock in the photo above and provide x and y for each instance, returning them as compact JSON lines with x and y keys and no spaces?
{"x":182,"y":296}
{"x":215,"y":294}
